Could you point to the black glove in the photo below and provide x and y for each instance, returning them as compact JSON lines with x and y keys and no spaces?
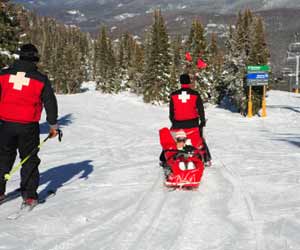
{"x":188,"y":148}
{"x":202,"y":124}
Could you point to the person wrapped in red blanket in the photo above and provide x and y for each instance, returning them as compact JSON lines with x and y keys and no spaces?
{"x":183,"y":152}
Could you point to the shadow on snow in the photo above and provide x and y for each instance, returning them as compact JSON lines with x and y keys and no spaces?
{"x":57,"y":177}
{"x":294,"y":140}
{"x":64,"y":121}
{"x":295,"y":109}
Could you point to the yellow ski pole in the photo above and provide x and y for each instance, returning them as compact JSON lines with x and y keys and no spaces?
{"x":7,"y":177}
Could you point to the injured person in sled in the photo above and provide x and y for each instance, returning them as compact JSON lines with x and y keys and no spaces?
{"x":185,"y":150}
{"x":183,"y":157}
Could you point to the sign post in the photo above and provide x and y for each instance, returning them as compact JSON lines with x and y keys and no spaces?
{"x":264,"y":103}
{"x":257,"y":76}
{"x":250,"y":113}
{"x":297,"y":75}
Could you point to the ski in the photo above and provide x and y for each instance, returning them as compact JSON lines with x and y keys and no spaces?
{"x":25,"y":209}
{"x":10,"y":196}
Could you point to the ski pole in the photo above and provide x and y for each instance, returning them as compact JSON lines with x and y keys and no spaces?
{"x":7,"y":177}
{"x":205,"y":146}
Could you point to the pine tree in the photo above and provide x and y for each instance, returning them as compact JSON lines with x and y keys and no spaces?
{"x":247,"y":26}
{"x":177,"y":52}
{"x":156,"y":80}
{"x":259,"y":53}
{"x":63,"y":50}
{"x":100,"y":58}
{"x":197,"y":46}
{"x":138,"y":59}
{"x":126,"y":59}
{"x":196,"y":43}
{"x":239,"y":35}
{"x":215,"y":66}
{"x":232,"y":88}
{"x":245,"y":46}
{"x":9,"y":32}
{"x":113,"y":84}
{"x":136,"y":70}
{"x":103,"y":50}
{"x":105,"y":64}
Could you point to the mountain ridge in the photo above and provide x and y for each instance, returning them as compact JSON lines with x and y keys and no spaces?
{"x":110,"y":8}
{"x":135,"y":16}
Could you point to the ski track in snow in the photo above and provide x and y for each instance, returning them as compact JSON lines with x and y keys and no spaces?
{"x":110,"y":193}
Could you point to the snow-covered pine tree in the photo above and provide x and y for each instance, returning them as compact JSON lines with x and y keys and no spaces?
{"x":197,"y":46}
{"x":126,"y":60}
{"x":86,"y":52}
{"x":9,"y":32}
{"x":113,"y":84}
{"x":214,"y":67}
{"x":63,"y":51}
{"x":233,"y":83}
{"x":245,"y":46}
{"x":177,"y":48}
{"x":105,"y":64}
{"x":196,"y":43}
{"x":136,"y":69}
{"x":120,"y":59}
{"x":74,"y":61}
{"x":177,"y":62}
{"x":156,"y":79}
{"x":100,"y":58}
{"x":237,"y":46}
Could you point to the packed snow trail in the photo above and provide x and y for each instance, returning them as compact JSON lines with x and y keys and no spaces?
{"x":110,"y":192}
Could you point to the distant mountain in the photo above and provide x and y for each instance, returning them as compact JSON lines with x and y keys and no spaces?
{"x":108,"y":9}
{"x":89,"y":14}
{"x":135,"y":16}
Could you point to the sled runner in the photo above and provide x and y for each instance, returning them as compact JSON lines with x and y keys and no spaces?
{"x":183,"y":167}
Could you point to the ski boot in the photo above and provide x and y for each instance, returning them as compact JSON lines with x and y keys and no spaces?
{"x":30,"y":203}
{"x":2,"y":198}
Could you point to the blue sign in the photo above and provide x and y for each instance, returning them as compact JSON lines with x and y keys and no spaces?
{"x":258,"y":76}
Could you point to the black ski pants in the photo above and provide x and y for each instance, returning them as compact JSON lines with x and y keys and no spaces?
{"x":24,"y":138}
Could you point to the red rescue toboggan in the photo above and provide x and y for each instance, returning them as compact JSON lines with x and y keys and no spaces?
{"x":184,"y":167}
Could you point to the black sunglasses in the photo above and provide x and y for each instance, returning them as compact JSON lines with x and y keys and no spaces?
{"x":181,"y":139}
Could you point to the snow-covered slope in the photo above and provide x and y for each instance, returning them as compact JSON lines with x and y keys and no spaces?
{"x":109,"y":186}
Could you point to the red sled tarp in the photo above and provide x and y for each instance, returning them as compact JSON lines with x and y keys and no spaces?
{"x":186,"y":167}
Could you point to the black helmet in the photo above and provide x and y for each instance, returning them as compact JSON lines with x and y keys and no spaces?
{"x":28,"y":52}
{"x":185,"y":79}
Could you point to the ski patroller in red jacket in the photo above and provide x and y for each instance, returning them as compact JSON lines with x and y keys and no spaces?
{"x":186,"y":108}
{"x":23,"y":93}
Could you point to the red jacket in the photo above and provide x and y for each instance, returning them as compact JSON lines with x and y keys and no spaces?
{"x":23,"y":91}
{"x":186,"y":108}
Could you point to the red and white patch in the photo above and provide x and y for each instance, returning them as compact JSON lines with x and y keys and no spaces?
{"x":184,"y":97}
{"x":19,"y":80}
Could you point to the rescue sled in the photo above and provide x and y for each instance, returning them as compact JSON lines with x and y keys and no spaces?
{"x":183,"y":167}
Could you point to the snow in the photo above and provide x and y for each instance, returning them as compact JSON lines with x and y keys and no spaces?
{"x":179,"y":19}
{"x":126,"y":16}
{"x":136,"y":37}
{"x":5,"y":53}
{"x":113,"y":28}
{"x":73,"y":12}
{"x":109,"y":186}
